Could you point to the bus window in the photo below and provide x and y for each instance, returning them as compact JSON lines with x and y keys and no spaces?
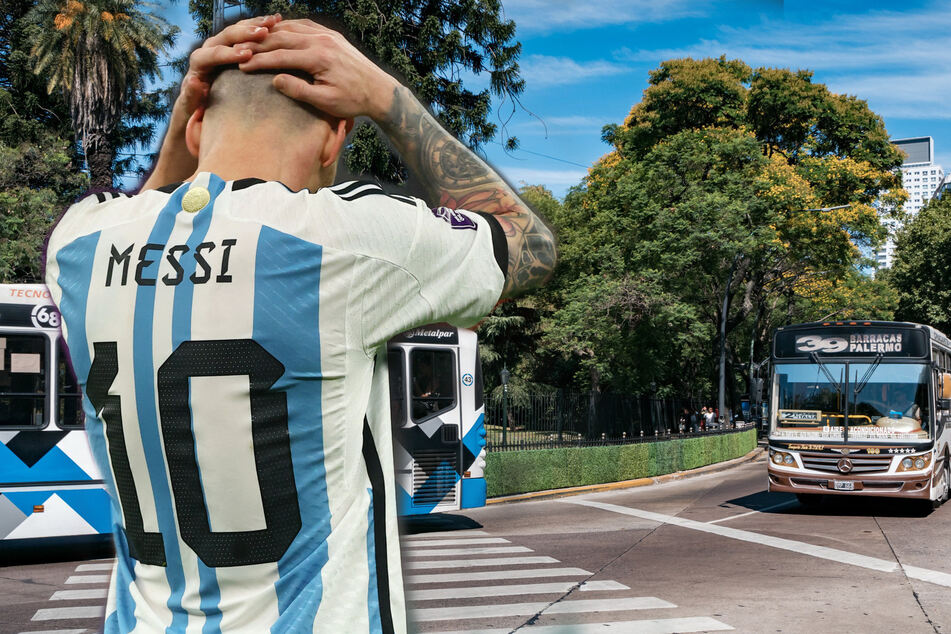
{"x":70,"y":406}
{"x":23,"y":381}
{"x":394,"y":363}
{"x":434,"y":382}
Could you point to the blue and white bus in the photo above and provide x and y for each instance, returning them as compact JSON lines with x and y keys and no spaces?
{"x":438,"y":417}
{"x":49,"y":484}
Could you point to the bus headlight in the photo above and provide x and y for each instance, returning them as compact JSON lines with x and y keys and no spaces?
{"x":914,"y":463}
{"x":784,"y":459}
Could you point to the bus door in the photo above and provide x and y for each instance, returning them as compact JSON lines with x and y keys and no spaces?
{"x":427,"y":415}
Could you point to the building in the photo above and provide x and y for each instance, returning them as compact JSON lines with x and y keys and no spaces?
{"x":921,"y":178}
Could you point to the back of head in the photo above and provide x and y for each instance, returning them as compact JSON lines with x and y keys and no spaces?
{"x":251,"y":99}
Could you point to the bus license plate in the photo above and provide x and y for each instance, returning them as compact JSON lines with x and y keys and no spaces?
{"x":839,"y":485}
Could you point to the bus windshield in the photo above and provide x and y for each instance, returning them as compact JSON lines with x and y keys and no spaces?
{"x":887,"y":401}
{"x":809,"y":400}
{"x":891,"y":403}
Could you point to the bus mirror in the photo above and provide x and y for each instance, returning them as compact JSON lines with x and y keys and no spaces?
{"x":944,"y":404}
{"x":945,"y":391}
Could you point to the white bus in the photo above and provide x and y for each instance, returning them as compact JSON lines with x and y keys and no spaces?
{"x":438,"y":419}
{"x":860,"y":408}
{"x":49,"y":484}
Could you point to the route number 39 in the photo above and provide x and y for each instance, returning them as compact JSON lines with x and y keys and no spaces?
{"x":815,"y":343}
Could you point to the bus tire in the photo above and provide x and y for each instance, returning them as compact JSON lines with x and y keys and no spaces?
{"x":945,"y":484}
{"x":811,"y":500}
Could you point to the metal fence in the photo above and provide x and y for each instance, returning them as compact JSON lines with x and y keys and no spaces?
{"x":578,"y":419}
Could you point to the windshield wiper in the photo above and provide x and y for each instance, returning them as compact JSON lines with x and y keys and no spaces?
{"x":868,"y":373}
{"x":822,"y":366}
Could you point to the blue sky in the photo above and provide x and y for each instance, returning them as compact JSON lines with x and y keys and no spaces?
{"x":586,"y":62}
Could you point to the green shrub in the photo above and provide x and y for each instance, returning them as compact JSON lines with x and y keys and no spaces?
{"x":511,"y":472}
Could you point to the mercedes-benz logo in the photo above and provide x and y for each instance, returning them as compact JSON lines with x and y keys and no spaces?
{"x":845,"y":465}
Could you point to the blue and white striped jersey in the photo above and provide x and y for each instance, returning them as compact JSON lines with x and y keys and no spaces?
{"x":224,"y":334}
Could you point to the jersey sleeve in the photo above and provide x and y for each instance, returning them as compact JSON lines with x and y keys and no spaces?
{"x":459,"y":259}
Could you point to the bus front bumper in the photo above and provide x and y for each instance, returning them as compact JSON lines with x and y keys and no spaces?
{"x":900,"y":485}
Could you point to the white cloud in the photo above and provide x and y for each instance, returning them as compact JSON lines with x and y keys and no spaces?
{"x":569,"y":15}
{"x":543,"y":71}
{"x":891,"y":59}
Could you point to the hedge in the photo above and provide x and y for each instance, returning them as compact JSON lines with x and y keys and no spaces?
{"x":510,"y":472}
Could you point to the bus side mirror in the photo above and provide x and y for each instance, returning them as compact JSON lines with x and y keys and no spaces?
{"x":944,"y":404}
{"x":944,"y":387}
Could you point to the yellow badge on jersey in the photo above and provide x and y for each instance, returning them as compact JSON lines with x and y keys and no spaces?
{"x":195,"y":199}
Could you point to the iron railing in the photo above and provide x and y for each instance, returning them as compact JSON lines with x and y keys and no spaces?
{"x":578,"y":419}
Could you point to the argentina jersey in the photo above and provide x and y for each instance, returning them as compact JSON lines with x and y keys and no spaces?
{"x":224,"y":334}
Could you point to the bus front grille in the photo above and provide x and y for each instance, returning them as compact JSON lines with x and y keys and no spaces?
{"x":860,"y":463}
{"x":435,"y":473}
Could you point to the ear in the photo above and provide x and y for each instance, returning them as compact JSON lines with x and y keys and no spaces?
{"x":193,"y":131}
{"x":335,"y":143}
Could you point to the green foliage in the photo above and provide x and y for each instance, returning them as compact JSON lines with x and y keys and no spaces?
{"x":511,"y":472}
{"x":429,"y":45}
{"x":38,"y":180}
{"x":713,"y":191}
{"x":922,"y":267}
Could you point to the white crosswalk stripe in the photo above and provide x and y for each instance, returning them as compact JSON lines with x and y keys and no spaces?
{"x":430,"y":543}
{"x":76,"y":612}
{"x":94,"y":598}
{"x":493,"y":550}
{"x":563,"y":596}
{"x":88,"y":579}
{"x":512,"y":590}
{"x":497,"y":575}
{"x":72,"y":595}
{"x":644,"y":626}
{"x":94,"y":567}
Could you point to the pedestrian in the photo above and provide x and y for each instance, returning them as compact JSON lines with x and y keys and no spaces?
{"x":709,"y":418}
{"x":225,"y":321}
{"x":694,"y":421}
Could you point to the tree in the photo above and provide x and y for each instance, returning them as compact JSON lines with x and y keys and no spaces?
{"x":99,"y":53}
{"x":708,"y":208}
{"x":922,"y":267}
{"x":429,"y":45}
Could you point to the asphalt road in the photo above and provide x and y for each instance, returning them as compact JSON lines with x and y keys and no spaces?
{"x":711,"y":553}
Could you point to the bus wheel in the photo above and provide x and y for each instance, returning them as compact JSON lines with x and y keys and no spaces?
{"x":811,"y":500}
{"x":945,"y":484}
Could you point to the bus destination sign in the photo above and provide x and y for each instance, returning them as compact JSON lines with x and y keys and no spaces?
{"x":851,"y":342}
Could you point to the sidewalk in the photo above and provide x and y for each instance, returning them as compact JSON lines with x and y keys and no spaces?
{"x":627,"y":484}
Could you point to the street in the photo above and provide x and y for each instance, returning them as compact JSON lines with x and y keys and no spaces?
{"x":710,"y":553}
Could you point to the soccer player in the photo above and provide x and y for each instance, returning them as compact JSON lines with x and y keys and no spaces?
{"x":225,"y":329}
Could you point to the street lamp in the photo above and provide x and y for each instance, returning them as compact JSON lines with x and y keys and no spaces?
{"x":504,"y":375}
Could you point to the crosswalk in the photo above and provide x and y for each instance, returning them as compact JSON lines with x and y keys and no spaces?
{"x":456,"y":582}
{"x":449,"y":591}
{"x":84,"y":602}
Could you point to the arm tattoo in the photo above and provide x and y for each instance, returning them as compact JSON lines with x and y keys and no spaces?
{"x":459,"y":179}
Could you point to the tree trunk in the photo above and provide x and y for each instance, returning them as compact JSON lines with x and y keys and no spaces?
{"x":99,"y":156}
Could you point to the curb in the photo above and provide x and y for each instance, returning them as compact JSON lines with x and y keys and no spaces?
{"x":629,"y":484}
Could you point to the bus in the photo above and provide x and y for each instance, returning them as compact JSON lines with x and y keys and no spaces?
{"x":50,"y":486}
{"x":860,"y":408}
{"x":438,"y":417}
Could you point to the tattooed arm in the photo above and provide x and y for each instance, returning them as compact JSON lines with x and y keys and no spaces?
{"x":346,"y":84}
{"x":459,"y":179}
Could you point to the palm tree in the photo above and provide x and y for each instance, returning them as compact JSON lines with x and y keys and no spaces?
{"x":100,"y":54}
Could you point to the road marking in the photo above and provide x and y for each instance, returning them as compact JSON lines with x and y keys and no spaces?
{"x":70,"y":595}
{"x":528,"y":609}
{"x":492,"y":550}
{"x":497,"y":575}
{"x":94,"y":567}
{"x":469,"y":563}
{"x":429,"y":543}
{"x":832,"y":554}
{"x":768,"y":508}
{"x":647,"y":626}
{"x":78,"y":612}
{"x":56,"y":632}
{"x":515,"y":590}
{"x":447,"y":534}
{"x":88,"y":579}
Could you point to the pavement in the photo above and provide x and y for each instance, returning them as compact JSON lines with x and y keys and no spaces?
{"x":628,"y":484}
